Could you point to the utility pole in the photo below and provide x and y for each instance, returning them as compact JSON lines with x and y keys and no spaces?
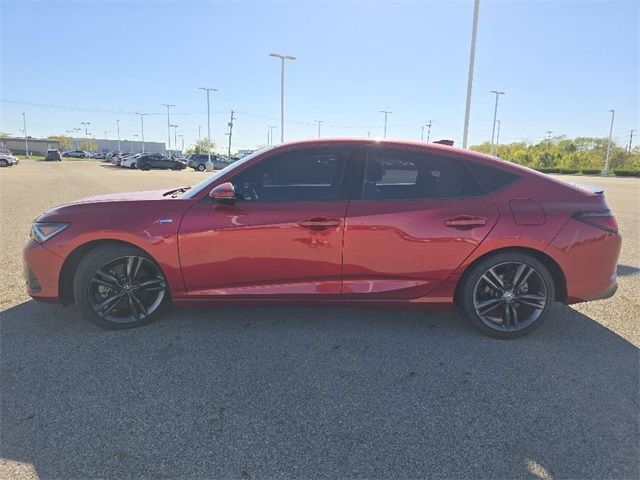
{"x":282,"y":59}
{"x":549,"y":132}
{"x":386,"y":113}
{"x":271,"y":127}
{"x":77,"y":130}
{"x":26,"y":142}
{"x":230,"y":132}
{"x":86,"y":133}
{"x":118,"y":129}
{"x":168,"y":105}
{"x":208,"y":90}
{"x":368,"y":133}
{"x":199,"y":130}
{"x":319,"y":122}
{"x":429,"y":129}
{"x":472,"y":59}
{"x":142,"y":127}
{"x":422,"y":133}
{"x":606,"y":159}
{"x":495,"y":116}
{"x":175,"y":136}
{"x":630,"y":139}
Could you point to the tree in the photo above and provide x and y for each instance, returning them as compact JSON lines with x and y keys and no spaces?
{"x":202,"y":146}
{"x":64,"y":142}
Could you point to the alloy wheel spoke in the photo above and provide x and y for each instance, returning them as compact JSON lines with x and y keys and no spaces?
{"x":506,"y":319}
{"x":133,"y":267}
{"x":514,"y":313}
{"x":492,"y":279}
{"x":486,"y":306}
{"x":140,"y":306}
{"x":154,"y":282}
{"x":132,"y":307}
{"x":108,"y":276}
{"x":108,"y":304}
{"x":106,"y":283}
{"x":518,"y":283}
{"x":537,"y":301}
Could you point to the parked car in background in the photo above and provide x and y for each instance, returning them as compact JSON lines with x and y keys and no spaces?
{"x":156,"y":160}
{"x":75,"y":154}
{"x":130,"y":161}
{"x":198,"y":161}
{"x":6,"y":151}
{"x":53,"y":156}
{"x":307,"y":222}
{"x":8,"y":160}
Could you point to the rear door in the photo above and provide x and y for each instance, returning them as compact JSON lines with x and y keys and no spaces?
{"x":414,"y":218}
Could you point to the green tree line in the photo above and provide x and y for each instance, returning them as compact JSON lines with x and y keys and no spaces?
{"x":580,"y":153}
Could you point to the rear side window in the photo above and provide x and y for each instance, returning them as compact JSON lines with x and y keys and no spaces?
{"x":491,"y":178}
{"x":396,"y":174}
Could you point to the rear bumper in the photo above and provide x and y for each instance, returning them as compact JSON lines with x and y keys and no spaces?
{"x":41,"y":272}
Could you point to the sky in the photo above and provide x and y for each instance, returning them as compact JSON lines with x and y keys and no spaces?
{"x":562,"y":65}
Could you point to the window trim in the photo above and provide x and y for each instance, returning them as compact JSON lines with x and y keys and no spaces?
{"x":358,"y":180}
{"x":344,"y":181}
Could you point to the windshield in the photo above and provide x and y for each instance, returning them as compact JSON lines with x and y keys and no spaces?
{"x":198,"y":187}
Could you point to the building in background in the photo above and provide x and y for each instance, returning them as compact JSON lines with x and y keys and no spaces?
{"x":37,"y":146}
{"x":104,"y":145}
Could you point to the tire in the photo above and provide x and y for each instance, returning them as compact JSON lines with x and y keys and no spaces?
{"x":145,"y":167}
{"x":507,"y":295}
{"x":134,"y":165}
{"x":119,"y":286}
{"x":201,"y":167}
{"x":4,"y":163}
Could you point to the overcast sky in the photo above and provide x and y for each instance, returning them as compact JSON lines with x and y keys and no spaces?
{"x":562,"y":64}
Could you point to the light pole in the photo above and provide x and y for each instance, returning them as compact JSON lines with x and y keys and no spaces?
{"x":606,"y":159}
{"x":282,"y":59}
{"x":429,"y":129}
{"x":26,"y":142}
{"x":319,"y":122}
{"x":86,"y":133}
{"x":118,"y":129}
{"x":142,"y":128}
{"x":495,"y":115}
{"x":199,"y":132}
{"x":77,"y":130}
{"x":209,"y":164}
{"x":182,"y":139}
{"x":175,"y":136}
{"x":137,"y":137}
{"x":498,"y":136}
{"x":271,"y":127}
{"x":472,"y":59}
{"x":168,"y":105}
{"x":385,"y":122}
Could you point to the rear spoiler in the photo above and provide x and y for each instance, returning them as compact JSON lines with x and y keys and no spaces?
{"x":590,"y":188}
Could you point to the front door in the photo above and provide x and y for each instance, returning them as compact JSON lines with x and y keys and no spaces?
{"x":414,"y":220}
{"x":282,"y":237}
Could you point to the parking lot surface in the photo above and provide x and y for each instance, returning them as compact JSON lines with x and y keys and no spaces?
{"x":308,"y":392}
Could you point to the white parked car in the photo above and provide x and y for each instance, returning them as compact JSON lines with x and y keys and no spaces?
{"x":130,"y":161}
{"x":8,"y":160}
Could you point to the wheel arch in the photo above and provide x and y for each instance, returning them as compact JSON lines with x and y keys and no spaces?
{"x":556,"y":272}
{"x":71,"y":263}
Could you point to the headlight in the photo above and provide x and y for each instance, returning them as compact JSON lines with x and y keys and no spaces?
{"x":41,"y":232}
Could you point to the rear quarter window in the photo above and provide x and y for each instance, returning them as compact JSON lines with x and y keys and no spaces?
{"x":491,"y":178}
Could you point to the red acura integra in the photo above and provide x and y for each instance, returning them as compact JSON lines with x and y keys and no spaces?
{"x":326,"y":222}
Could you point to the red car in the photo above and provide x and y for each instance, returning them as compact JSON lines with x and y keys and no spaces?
{"x":326,"y":222}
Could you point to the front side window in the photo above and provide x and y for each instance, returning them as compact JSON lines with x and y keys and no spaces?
{"x":302,"y":175}
{"x":390,"y":174}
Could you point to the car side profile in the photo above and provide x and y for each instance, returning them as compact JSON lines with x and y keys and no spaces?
{"x":198,"y":161}
{"x":75,"y":154}
{"x":335,"y":222}
{"x":156,"y":160}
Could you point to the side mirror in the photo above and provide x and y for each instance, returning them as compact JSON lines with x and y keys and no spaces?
{"x":223,"y":194}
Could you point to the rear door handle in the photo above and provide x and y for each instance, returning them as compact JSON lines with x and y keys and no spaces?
{"x":319,"y":223}
{"x":465,"y":222}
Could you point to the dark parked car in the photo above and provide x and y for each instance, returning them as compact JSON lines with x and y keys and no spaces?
{"x":75,"y":154}
{"x":53,"y":156}
{"x":198,"y":161}
{"x":147,"y":162}
{"x":336,"y":222}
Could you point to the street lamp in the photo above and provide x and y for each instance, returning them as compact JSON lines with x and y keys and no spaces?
{"x":209,"y":164}
{"x":118,"y":129}
{"x":498,"y":136}
{"x":385,"y":122}
{"x":136,"y":136}
{"x":472,"y":59}
{"x":182,"y":138}
{"x":142,"y":127}
{"x":26,"y":142}
{"x":495,"y":116}
{"x":175,"y":136}
{"x":168,"y":105}
{"x":606,"y":159}
{"x":319,"y":122}
{"x":77,"y":130}
{"x":282,"y":59}
{"x":86,"y":133}
{"x":270,"y":137}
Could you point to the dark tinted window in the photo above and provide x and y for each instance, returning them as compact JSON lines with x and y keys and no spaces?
{"x":390,"y":174}
{"x":294,"y":176}
{"x":491,"y":178}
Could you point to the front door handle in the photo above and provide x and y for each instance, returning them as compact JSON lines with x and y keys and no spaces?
{"x":465,"y":222}
{"x":319,"y":223}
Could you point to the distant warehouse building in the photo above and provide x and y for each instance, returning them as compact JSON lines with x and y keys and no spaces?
{"x":37,"y":146}
{"x":104,"y":145}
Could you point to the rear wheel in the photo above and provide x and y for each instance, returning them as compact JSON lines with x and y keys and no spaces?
{"x":201,"y":167}
{"x":119,"y":286}
{"x":145,"y":167}
{"x":507,"y":295}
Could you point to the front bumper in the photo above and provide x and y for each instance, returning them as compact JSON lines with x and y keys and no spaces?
{"x":41,"y":272}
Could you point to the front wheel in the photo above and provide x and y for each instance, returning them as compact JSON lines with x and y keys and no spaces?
{"x":201,"y":167}
{"x":134,"y":166}
{"x":507,"y":295}
{"x":119,"y":286}
{"x":145,"y":167}
{"x":3,"y":163}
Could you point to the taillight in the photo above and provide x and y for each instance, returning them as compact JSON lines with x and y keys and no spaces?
{"x":603,"y":219}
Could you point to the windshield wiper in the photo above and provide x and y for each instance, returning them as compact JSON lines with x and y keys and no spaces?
{"x":175,"y":191}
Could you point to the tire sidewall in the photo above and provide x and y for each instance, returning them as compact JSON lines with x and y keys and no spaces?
{"x":476,"y":272}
